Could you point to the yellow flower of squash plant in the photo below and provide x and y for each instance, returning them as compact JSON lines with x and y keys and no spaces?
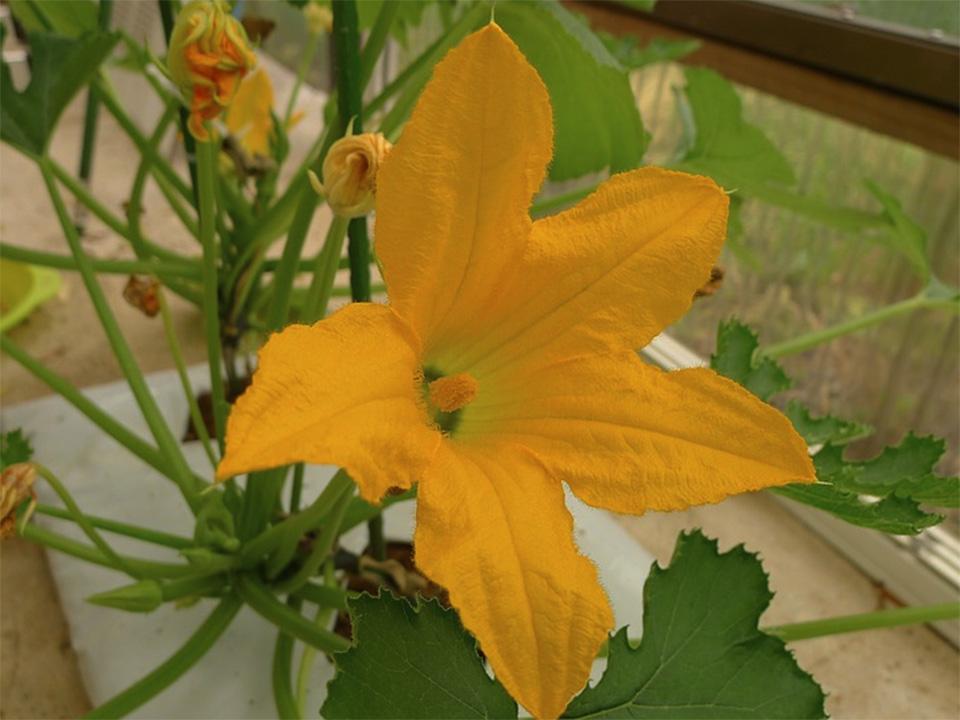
{"x":505,"y":365}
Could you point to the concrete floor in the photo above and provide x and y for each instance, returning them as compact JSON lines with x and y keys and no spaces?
{"x":901,"y":673}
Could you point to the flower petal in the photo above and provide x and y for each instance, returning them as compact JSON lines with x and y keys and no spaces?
{"x":629,"y":437}
{"x":610,"y":273}
{"x":453,"y":194}
{"x":345,"y":391}
{"x":493,"y":529}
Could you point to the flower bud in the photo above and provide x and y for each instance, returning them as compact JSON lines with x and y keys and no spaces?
{"x":143,"y":596}
{"x":319,"y":18}
{"x":16,"y":485}
{"x":209,"y":55}
{"x":350,"y":173}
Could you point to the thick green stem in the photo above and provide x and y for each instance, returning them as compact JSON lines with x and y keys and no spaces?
{"x":287,"y":706}
{"x":286,"y":619}
{"x":85,"y":171}
{"x":322,"y":544}
{"x":376,"y":40}
{"x":206,"y":174}
{"x":176,"y":665}
{"x":168,"y":445}
{"x":69,"y":546}
{"x":155,"y":537}
{"x":818,"y":337}
{"x":866,"y":621}
{"x":324,"y":272}
{"x":175,"y":352}
{"x":346,"y":38}
{"x":117,"y":267}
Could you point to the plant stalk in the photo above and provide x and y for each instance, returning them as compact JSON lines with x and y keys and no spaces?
{"x":865,"y":621}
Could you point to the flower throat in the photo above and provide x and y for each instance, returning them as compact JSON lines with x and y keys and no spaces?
{"x":447,"y":395}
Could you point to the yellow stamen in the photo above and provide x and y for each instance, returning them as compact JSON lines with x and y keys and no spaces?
{"x":453,"y":392}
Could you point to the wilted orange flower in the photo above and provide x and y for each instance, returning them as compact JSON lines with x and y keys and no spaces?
{"x":209,"y":55}
{"x":505,"y":366}
{"x":16,"y":485}
{"x":350,"y":173}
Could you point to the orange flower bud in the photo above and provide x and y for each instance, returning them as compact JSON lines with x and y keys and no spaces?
{"x":16,"y":485}
{"x":350,"y":173}
{"x":209,"y":55}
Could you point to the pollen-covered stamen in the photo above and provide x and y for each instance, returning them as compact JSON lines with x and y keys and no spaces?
{"x":451,"y":393}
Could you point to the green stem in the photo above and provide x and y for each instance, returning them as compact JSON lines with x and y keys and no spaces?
{"x":119,"y":432}
{"x":287,"y":706}
{"x":176,"y":204}
{"x":818,"y":337}
{"x":167,"y":444}
{"x":82,"y":193}
{"x":324,"y":272}
{"x":175,"y":666}
{"x":322,"y":544}
{"x":80,"y":519}
{"x":296,"y":492}
{"x":118,"y":267}
{"x":206,"y":173}
{"x":69,"y":546}
{"x":375,"y":41}
{"x":148,"y":150}
{"x":326,"y":596}
{"x":113,"y":526}
{"x":281,"y":540}
{"x":313,"y":42}
{"x":865,"y":621}
{"x":321,"y":619}
{"x":85,"y":171}
{"x":266,"y":604}
{"x":346,"y":35}
{"x":177,"y":354}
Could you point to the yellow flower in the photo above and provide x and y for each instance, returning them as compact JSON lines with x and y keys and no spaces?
{"x":208,"y":57}
{"x":350,"y":173}
{"x":249,"y":116}
{"x":524,"y":334}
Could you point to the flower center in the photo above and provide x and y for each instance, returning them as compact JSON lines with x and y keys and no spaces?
{"x":447,"y":395}
{"x":451,"y":393}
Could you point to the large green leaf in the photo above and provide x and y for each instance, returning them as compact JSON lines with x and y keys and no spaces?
{"x":595,"y":117}
{"x":736,"y":358}
{"x":60,"y":67}
{"x":420,"y":662}
{"x":818,"y":430}
{"x":632,"y":55}
{"x":63,"y":17}
{"x":724,"y":145}
{"x":702,"y":654}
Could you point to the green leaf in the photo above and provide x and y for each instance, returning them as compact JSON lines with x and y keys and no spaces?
{"x":420,"y":661}
{"x":14,"y":448}
{"x":907,"y":237}
{"x":725,"y":146}
{"x":60,"y":67}
{"x":702,"y":654}
{"x":595,"y":117}
{"x":410,"y":15}
{"x":71,"y":18}
{"x":630,"y":54}
{"x":736,"y":358}
{"x":897,"y":516}
{"x":818,"y":430}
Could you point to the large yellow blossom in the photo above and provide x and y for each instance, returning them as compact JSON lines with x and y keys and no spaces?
{"x":504,"y":366}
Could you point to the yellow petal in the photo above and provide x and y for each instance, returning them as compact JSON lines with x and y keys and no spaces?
{"x":453,"y":194}
{"x":629,"y":437}
{"x":249,"y":114}
{"x":493,"y":530}
{"x":345,"y":391}
{"x":608,"y":274}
